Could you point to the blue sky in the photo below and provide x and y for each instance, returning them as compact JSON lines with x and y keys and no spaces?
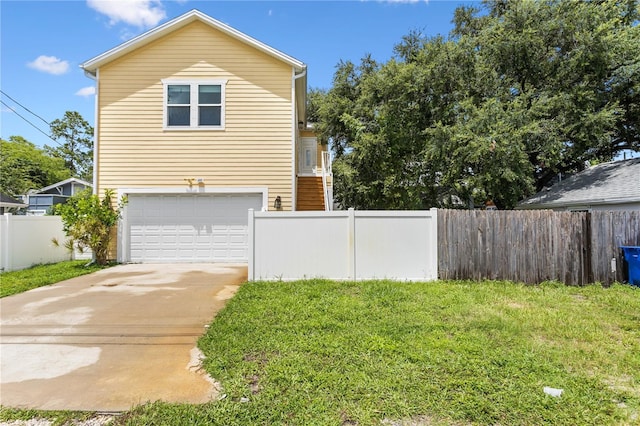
{"x":42,"y":43}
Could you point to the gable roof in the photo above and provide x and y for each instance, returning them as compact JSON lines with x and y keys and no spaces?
{"x":616,"y":182}
{"x":61,"y":183}
{"x":91,"y":66}
{"x":8,"y":201}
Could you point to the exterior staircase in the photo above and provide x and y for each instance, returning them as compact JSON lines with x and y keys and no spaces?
{"x":310,"y":193}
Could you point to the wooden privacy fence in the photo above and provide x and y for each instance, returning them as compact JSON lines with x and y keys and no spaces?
{"x":535,"y":245}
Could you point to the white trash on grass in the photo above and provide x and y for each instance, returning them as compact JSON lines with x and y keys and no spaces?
{"x":553,"y":391}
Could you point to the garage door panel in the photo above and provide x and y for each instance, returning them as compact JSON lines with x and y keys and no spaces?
{"x":189,"y":227}
{"x":236,"y":254}
{"x":169,"y":239}
{"x":153,"y":239}
{"x":237,"y":239}
{"x":219,"y":240}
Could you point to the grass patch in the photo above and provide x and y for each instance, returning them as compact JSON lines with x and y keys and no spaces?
{"x":445,"y":353}
{"x":382,"y":352}
{"x":37,"y":276}
{"x":56,"y":418}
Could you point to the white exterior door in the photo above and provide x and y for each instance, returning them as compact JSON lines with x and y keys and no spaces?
{"x":307,"y":159}
{"x":188,"y":227}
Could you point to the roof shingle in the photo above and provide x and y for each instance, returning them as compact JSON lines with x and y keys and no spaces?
{"x":607,"y":183}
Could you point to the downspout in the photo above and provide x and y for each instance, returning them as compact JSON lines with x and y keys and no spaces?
{"x":294,"y":129}
{"x":94,"y":77}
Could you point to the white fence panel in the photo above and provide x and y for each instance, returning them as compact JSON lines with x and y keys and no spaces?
{"x":290,"y":246}
{"x":26,"y":241}
{"x":343,"y":245}
{"x":396,"y":244}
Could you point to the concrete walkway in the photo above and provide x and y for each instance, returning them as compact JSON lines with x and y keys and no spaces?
{"x":114,"y":339}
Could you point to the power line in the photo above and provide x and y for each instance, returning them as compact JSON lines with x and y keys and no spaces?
{"x":33,"y":125}
{"x":33,"y":113}
{"x":24,"y":107}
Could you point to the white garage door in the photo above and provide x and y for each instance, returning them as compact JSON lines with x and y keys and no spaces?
{"x":189,"y":228}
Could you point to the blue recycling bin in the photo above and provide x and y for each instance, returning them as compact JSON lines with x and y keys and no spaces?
{"x":632,"y":256}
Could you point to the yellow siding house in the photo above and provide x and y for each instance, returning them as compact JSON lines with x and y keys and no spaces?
{"x":196,"y":123}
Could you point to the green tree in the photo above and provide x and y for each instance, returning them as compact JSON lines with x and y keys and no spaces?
{"x":24,"y":166}
{"x":519,"y":92}
{"x":558,"y":63}
{"x":88,"y":222}
{"x":77,"y":148}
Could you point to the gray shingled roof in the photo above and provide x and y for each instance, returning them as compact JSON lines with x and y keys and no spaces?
{"x":616,"y":182}
{"x":8,"y":201}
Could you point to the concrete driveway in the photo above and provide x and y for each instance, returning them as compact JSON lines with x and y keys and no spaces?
{"x":113,"y":339}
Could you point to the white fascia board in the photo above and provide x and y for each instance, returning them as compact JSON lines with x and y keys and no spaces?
{"x":93,"y":64}
{"x":12,"y":205}
{"x":585,"y":202}
{"x":63,"y":182}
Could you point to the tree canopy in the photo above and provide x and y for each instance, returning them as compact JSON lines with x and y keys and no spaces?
{"x":519,"y":92}
{"x":77,"y":147}
{"x":24,"y":166}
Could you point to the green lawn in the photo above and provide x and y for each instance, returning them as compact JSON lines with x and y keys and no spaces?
{"x":55,"y":418}
{"x":380,"y":352}
{"x":326,"y":353}
{"x":41,"y":275}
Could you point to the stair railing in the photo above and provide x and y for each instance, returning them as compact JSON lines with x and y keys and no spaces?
{"x":326,"y":188}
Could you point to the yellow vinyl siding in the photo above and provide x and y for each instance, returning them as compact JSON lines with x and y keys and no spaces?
{"x":254,"y":149}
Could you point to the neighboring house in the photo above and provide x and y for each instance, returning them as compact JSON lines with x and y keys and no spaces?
{"x":607,"y":186}
{"x":40,"y":201}
{"x":7,"y":202}
{"x":197,"y":123}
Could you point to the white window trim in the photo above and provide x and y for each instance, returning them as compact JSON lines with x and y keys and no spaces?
{"x":194,"y":103}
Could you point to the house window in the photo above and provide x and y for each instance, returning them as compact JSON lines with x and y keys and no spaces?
{"x":194,"y":105}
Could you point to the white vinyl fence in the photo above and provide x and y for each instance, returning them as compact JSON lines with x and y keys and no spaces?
{"x":26,"y":241}
{"x":343,"y":245}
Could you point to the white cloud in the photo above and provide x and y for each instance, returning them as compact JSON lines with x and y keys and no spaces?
{"x":86,"y":91}
{"x":141,"y":13}
{"x":127,"y":34}
{"x":50,"y":64}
